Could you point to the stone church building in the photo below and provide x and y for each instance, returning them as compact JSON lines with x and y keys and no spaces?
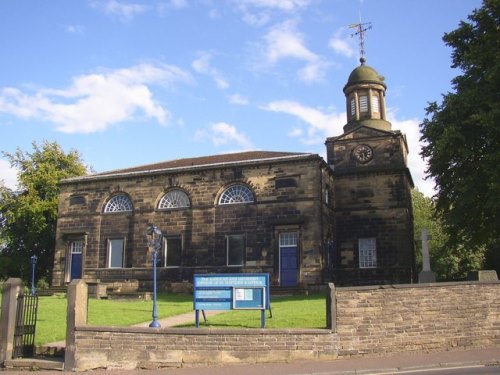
{"x":292,"y":215}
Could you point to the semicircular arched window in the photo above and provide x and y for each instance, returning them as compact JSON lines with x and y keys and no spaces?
{"x":236,"y":194}
{"x":118,"y":203}
{"x":174,"y":198}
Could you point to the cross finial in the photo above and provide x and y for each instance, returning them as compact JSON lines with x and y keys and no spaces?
{"x":361,"y":29}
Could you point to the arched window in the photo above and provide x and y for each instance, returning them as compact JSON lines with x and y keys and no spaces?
{"x":118,"y":203}
{"x":236,"y":194}
{"x":175,"y":198}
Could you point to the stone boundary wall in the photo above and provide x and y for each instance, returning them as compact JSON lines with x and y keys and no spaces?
{"x":415,"y":318}
{"x":129,"y":348}
{"x":365,"y":321}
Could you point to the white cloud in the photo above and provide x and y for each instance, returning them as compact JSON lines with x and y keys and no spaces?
{"x":124,"y":11}
{"x":341,"y":45}
{"x":75,"y":29}
{"x":178,"y":4}
{"x":283,"y":42}
{"x":8,"y":175}
{"x":283,"y":5}
{"x":319,"y":125}
{"x":260,"y":12}
{"x":202,"y":66}
{"x":415,"y":162}
{"x":238,"y":99}
{"x":95,"y":101}
{"x":223,"y":134}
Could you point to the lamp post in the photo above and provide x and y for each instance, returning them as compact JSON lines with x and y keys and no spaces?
{"x":33,"y":260}
{"x":154,"y":237}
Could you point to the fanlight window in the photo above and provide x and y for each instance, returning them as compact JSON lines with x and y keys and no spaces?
{"x":174,"y":199}
{"x":119,"y":203}
{"x":236,"y":194}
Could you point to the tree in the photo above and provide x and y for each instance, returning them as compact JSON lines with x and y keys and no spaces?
{"x":462,"y":134}
{"x":448,"y":262}
{"x":29,"y":216}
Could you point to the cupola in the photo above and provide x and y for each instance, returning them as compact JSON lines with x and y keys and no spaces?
{"x":365,"y":99}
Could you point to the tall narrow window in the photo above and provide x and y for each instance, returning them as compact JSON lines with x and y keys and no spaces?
{"x":236,"y":194}
{"x":367,"y":252}
{"x":118,"y":203}
{"x":363,"y":103}
{"x":375,"y":105}
{"x":173,"y":251}
{"x":235,"y":250}
{"x":353,"y":106}
{"x":116,"y":247}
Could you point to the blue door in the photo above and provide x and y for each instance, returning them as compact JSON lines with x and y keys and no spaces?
{"x":288,"y":266}
{"x":76,"y":248}
{"x":288,"y":259}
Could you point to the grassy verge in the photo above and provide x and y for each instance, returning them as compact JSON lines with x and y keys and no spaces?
{"x":51,"y":321}
{"x":288,"y":312}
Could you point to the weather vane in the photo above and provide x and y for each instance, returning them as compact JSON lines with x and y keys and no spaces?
{"x":361,"y":29}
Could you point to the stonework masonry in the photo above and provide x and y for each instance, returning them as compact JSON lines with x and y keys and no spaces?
{"x":367,"y":321}
{"x":289,"y":196}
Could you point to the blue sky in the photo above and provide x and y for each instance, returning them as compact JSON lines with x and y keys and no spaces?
{"x":130,"y":82}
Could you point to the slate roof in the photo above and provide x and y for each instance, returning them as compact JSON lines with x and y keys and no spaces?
{"x":240,"y":158}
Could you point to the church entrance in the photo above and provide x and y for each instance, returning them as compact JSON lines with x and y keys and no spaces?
{"x":288,"y":259}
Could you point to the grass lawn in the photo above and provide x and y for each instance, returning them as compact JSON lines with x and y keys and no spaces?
{"x":51,"y":320}
{"x":288,"y":312}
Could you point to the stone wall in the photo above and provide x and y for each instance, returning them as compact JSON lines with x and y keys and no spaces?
{"x":156,"y":348}
{"x":289,"y":196}
{"x":366,"y":321}
{"x":415,"y":318}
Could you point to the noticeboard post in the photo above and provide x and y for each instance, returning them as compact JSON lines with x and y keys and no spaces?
{"x":243,"y":291}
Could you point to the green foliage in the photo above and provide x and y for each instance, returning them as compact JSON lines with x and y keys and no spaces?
{"x":28,"y":217}
{"x":448,"y":260}
{"x":462,"y":134}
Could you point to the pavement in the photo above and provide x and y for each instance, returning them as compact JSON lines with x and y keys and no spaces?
{"x":393,"y":364}
{"x":429,"y":363}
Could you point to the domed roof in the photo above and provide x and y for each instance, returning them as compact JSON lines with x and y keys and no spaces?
{"x":365,"y":73}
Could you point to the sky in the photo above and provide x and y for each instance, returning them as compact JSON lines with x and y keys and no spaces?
{"x":131,"y":82}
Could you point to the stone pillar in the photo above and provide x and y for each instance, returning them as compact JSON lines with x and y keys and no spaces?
{"x":76,"y":316}
{"x":426,"y":275}
{"x":331,"y":308}
{"x":11,"y":289}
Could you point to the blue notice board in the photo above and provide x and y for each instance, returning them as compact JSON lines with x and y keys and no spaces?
{"x":247,"y":291}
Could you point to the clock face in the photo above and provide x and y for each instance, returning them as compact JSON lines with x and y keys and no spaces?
{"x":363,"y":153}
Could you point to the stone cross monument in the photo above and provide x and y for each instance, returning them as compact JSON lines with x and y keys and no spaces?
{"x":426,"y":275}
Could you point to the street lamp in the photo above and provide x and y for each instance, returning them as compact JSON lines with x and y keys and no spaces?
{"x":33,"y":259}
{"x":154,"y":237}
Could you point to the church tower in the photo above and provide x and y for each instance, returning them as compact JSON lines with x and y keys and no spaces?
{"x":373,"y":211}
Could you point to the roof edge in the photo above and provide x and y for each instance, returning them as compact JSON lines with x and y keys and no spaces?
{"x":104,"y":176}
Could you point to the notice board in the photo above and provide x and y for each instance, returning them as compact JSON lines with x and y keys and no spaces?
{"x":247,"y":291}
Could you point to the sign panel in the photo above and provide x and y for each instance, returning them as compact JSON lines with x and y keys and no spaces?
{"x":231,"y":292}
{"x":249,"y":298}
